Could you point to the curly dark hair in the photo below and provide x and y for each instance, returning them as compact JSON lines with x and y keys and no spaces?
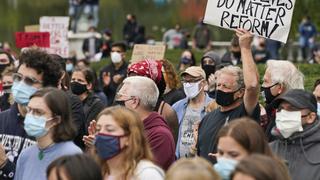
{"x":44,"y":64}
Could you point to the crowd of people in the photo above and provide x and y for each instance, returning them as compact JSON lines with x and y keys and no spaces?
{"x":59,"y":119}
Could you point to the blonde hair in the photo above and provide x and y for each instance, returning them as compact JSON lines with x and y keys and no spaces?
{"x":285,"y":72}
{"x":191,"y":168}
{"x":138,"y":148}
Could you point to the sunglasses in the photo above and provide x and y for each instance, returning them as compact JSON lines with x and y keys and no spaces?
{"x":28,"y":80}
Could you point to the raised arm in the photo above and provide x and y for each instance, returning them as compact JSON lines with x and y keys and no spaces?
{"x":250,"y":71}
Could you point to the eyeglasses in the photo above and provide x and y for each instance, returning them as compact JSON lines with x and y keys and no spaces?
{"x":28,"y":80}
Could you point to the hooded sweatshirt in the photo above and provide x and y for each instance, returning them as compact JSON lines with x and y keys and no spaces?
{"x":160,"y":139}
{"x":301,"y":151}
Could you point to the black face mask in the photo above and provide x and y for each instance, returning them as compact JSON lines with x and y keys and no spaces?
{"x":78,"y":88}
{"x":267,"y":94}
{"x":236,"y":55}
{"x":119,"y":103}
{"x":7,"y":89}
{"x":209,"y":69}
{"x":225,"y":98}
{"x":2,"y":67}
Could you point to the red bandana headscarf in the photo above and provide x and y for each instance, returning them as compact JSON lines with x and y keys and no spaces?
{"x":148,"y":68}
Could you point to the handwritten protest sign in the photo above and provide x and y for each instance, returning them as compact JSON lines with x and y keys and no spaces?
{"x":266,"y":18}
{"x":58,"y":29}
{"x":27,"y":39}
{"x":143,"y":51}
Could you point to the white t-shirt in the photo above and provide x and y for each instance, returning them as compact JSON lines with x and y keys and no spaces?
{"x":146,"y":170}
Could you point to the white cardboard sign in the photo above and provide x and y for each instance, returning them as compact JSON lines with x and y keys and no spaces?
{"x":266,"y":18}
{"x":58,"y":28}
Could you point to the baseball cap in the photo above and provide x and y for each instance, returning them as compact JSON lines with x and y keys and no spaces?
{"x":195,"y":71}
{"x":298,"y":98}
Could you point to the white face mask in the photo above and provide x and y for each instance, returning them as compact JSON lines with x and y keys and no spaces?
{"x":288,"y":122}
{"x":116,"y":57}
{"x":191,"y":89}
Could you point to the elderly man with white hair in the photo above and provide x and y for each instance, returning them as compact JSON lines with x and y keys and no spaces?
{"x":280,"y":76}
{"x":237,"y":94}
{"x":141,"y":94}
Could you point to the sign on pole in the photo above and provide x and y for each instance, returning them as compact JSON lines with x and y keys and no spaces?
{"x":143,"y":51}
{"x":266,"y":18}
{"x":58,"y":29}
{"x":27,"y":39}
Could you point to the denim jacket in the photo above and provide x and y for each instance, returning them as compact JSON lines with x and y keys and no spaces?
{"x":180,"y":107}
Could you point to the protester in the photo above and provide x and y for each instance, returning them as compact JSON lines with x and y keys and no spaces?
{"x":210,"y":63}
{"x":187,"y":59}
{"x":260,"y":52}
{"x":74,"y":167}
{"x":237,"y":140}
{"x":202,"y":37}
{"x":315,"y":55}
{"x":141,"y":94}
{"x":279,"y":77}
{"x":36,"y":70}
{"x":113,"y":74}
{"x":307,"y":32}
{"x":48,"y":119}
{"x":82,"y":85}
{"x":107,"y":43}
{"x":273,"y":47}
{"x":83,"y":63}
{"x":297,"y":127}
{"x":6,"y":99}
{"x":121,"y":146}
{"x":130,"y":29}
{"x":190,"y":169}
{"x":92,"y":45}
{"x":76,"y":105}
{"x":236,"y":93}
{"x":6,"y":60}
{"x":172,"y":37}
{"x":70,"y":65}
{"x":233,"y":56}
{"x":173,"y":92}
{"x":140,"y":37}
{"x":260,"y":167}
{"x":191,"y":109}
{"x":153,"y":70}
{"x":316,"y":93}
{"x":92,"y":6}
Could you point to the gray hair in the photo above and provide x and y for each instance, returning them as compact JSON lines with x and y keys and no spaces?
{"x":233,"y":71}
{"x":145,"y":89}
{"x":285,"y":72}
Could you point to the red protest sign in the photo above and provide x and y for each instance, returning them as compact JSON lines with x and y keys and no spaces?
{"x":27,"y":39}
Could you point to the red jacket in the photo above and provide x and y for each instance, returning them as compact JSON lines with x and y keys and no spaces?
{"x":160,"y":139}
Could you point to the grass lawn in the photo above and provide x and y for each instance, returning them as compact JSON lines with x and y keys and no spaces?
{"x":310,"y":71}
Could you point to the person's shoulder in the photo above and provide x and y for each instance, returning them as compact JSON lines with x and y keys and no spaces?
{"x":179,"y":103}
{"x":69,"y":147}
{"x":28,"y":151}
{"x":147,"y":169}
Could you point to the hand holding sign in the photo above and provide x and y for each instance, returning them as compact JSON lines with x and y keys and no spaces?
{"x":245,"y":38}
{"x":266,"y":18}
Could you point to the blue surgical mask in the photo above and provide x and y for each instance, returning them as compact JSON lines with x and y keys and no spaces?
{"x":225,"y":167}
{"x":107,"y":146}
{"x":69,"y":67}
{"x":22,"y":92}
{"x":35,"y":126}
